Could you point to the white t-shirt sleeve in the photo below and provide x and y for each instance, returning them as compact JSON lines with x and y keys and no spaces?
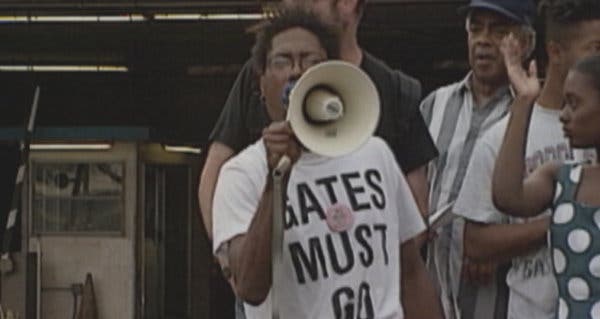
{"x":410,"y":222}
{"x":475,"y":201}
{"x":237,"y":194}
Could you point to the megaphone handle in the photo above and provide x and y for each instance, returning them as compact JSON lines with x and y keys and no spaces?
{"x":277,"y":234}
{"x":283,"y":166}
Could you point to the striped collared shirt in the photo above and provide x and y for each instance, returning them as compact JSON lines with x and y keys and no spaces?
{"x":456,"y":123}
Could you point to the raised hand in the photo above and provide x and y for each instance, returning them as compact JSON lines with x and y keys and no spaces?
{"x":279,"y":140}
{"x":524,"y":82}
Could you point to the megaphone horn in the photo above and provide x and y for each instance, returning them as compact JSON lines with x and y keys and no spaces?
{"x":333,"y":108}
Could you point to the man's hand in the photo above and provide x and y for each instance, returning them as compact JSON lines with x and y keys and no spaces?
{"x":279,"y":140}
{"x":481,"y":273}
{"x":418,"y":296}
{"x":525,"y":83}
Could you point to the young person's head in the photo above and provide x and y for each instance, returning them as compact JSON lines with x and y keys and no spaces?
{"x":285,"y":47}
{"x":581,"y":113}
{"x":487,"y":23}
{"x":571,"y":31}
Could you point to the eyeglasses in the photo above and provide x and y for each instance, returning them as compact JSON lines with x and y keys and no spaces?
{"x":285,"y":63}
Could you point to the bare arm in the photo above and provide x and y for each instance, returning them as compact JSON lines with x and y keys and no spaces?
{"x":510,"y":193}
{"x":419,"y":298}
{"x":218,"y":154}
{"x":417,"y":181}
{"x":499,"y":243}
{"x":250,"y":253}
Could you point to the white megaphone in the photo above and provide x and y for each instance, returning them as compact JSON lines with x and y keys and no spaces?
{"x":333,"y":108}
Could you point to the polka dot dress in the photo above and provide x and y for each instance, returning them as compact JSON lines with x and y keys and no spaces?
{"x":575,"y":242}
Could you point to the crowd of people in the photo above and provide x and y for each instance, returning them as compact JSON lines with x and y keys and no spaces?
{"x":515,"y":159}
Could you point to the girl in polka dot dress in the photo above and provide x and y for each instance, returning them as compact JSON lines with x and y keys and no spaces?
{"x":571,"y":190}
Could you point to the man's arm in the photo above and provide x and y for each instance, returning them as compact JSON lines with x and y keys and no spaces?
{"x":229,"y":135}
{"x":250,"y":253}
{"x":417,"y":181}
{"x":218,"y":154}
{"x":419,"y":298}
{"x":416,"y":176}
{"x":418,"y":148}
{"x":499,"y":243}
{"x":415,"y":168}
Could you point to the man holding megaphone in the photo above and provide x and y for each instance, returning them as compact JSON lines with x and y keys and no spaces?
{"x":401,"y":126}
{"x":349,"y":220}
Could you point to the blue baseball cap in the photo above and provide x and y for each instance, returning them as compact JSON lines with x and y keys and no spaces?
{"x":520,"y":11}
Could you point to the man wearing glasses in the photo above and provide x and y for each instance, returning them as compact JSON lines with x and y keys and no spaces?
{"x":351,"y":269}
{"x":401,"y":125}
{"x":457,"y":115}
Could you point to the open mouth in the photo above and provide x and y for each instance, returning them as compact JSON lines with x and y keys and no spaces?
{"x":484,"y":58}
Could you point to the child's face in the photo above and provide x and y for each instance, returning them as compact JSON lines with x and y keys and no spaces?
{"x":581,"y":112}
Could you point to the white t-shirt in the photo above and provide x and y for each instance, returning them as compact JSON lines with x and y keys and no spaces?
{"x":329,"y":273}
{"x":533,"y":291}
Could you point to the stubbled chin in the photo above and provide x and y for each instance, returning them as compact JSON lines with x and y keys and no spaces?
{"x":484,"y":67}
{"x":487,"y":74}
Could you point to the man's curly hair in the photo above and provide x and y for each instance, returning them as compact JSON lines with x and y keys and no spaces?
{"x":286,"y":19}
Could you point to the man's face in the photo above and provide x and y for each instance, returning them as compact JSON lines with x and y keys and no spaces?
{"x":326,"y":10}
{"x":485,"y":30}
{"x":584,"y":41}
{"x":292,"y":52}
